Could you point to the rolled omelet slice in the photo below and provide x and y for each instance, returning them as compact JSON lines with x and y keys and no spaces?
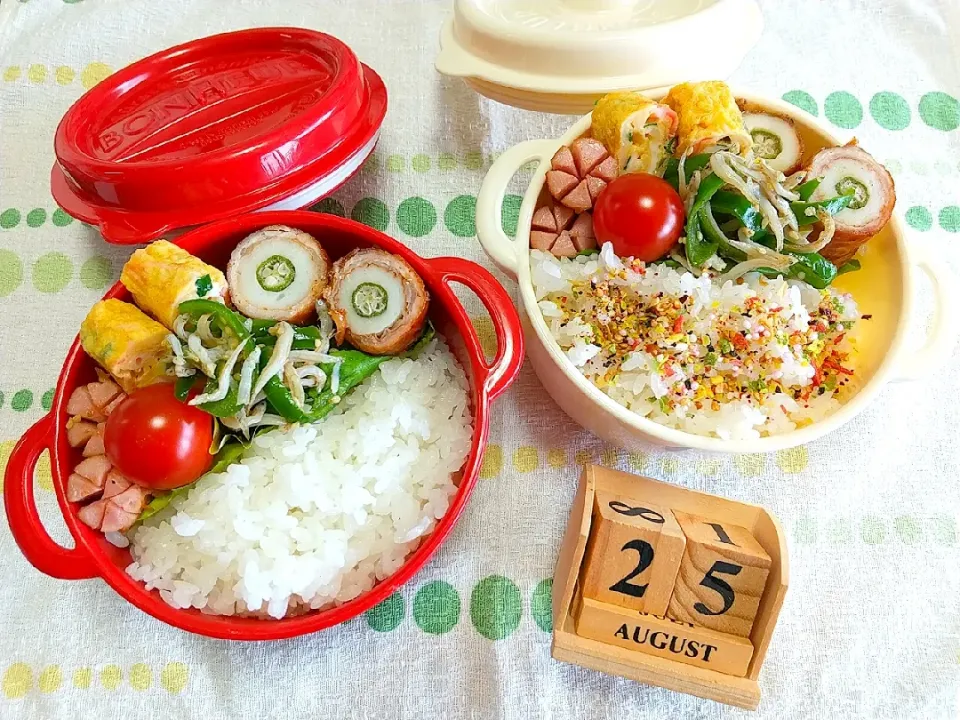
{"x":635,"y":130}
{"x":126,"y":343}
{"x":708,"y":116}
{"x":162,"y":275}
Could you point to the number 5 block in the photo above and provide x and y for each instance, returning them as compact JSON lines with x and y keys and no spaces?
{"x":633,"y":555}
{"x":722,"y":576}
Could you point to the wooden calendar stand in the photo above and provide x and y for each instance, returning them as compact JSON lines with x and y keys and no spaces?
{"x":741,"y":688}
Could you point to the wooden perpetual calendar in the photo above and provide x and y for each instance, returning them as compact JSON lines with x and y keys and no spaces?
{"x":668,"y":586}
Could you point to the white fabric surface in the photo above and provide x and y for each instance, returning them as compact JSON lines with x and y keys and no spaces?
{"x":870,"y":628}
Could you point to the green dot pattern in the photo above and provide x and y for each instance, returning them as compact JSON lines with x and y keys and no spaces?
{"x":416,"y":216}
{"x":944,"y":530}
{"x":940,"y":111}
{"x":9,"y":218}
{"x":908,"y":529}
{"x":510,"y":213}
{"x":802,"y":100}
{"x":919,"y":218}
{"x":806,"y":531}
{"x":872,"y":530}
{"x":52,"y":272}
{"x":460,"y":217}
{"x":420,"y":163}
{"x":890,"y":110}
{"x":11,"y":272}
{"x":60,"y":218}
{"x":1,"y":399}
{"x":96,"y":273}
{"x":46,"y":402}
{"x":496,"y":607}
{"x":446,"y":161}
{"x":541,"y":605}
{"x":387,"y":615}
{"x":372,"y":212}
{"x":950,"y":218}
{"x":843,"y":109}
{"x":331,"y":207}
{"x":436,"y":607}
{"x":36,"y":217}
{"x":22,"y":400}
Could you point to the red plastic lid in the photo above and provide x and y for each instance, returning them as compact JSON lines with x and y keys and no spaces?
{"x":267,"y":118}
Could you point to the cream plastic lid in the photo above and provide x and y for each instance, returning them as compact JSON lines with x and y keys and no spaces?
{"x":561,"y":55}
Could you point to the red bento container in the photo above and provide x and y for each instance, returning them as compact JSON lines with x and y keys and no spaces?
{"x":94,"y":557}
{"x":261,"y":119}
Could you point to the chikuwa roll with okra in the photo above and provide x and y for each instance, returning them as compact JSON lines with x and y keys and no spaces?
{"x":278,"y":273}
{"x":775,"y":138}
{"x":377,"y":300}
{"x":851,"y":171}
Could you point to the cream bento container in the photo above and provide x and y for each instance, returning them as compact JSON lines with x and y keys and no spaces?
{"x":885,"y":288}
{"x":561,"y":56}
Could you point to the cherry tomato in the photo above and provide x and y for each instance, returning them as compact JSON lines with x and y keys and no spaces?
{"x":158,"y":441}
{"x":641,"y":215}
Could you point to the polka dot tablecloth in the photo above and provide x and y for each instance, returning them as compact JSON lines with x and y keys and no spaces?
{"x":871,"y":624}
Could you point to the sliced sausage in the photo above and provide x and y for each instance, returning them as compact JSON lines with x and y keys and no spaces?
{"x":95,"y":445}
{"x":132,"y":500}
{"x":540,"y":240}
{"x":560,"y":183}
{"x":92,"y":515}
{"x":587,"y":154}
{"x":80,"y":403}
{"x":543,"y":219}
{"x":578,"y":199}
{"x":563,"y":160}
{"x":80,"y":432}
{"x":115,"y":484}
{"x":103,"y":392}
{"x":607,"y":170}
{"x":596,"y":186}
{"x":563,"y":215}
{"x":564,"y":246}
{"x":80,"y":488}
{"x":94,"y":469}
{"x":116,"y":519}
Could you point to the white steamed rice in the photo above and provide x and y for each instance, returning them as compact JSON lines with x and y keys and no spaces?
{"x":317,"y":514}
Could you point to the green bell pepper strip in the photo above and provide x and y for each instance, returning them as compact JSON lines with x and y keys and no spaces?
{"x":356,"y":367}
{"x":700,"y":248}
{"x":233,"y":322}
{"x":848,"y":266}
{"x":305,"y":337}
{"x":279,"y":397}
{"x":671,"y":171}
{"x":714,"y":234}
{"x":226,"y":317}
{"x":736,"y":205}
{"x":807,"y":189}
{"x":832,"y":206}
{"x":182,"y":387}
{"x":227,"y":407}
{"x":812,"y":268}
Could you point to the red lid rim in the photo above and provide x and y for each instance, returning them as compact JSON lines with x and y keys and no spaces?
{"x":68,"y":154}
{"x":128,"y":227}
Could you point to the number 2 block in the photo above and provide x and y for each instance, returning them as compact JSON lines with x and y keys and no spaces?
{"x":634,"y":554}
{"x":722,"y":576}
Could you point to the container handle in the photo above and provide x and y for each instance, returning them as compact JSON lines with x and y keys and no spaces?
{"x":502,"y":249}
{"x":35,"y":543}
{"x":942,"y":336}
{"x":503,"y":370}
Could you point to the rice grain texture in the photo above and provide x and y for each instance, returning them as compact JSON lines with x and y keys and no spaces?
{"x":316,"y":515}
